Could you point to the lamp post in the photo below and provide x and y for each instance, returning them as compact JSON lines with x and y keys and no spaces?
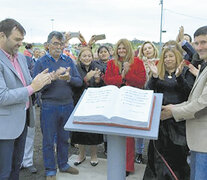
{"x":161,"y":31}
{"x":52,"y":20}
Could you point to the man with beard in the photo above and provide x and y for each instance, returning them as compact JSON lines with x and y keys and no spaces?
{"x":16,"y":87}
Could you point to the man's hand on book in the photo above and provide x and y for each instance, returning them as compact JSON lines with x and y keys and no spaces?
{"x":166,"y":112}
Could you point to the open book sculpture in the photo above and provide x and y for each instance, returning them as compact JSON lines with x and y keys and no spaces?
{"x":127,"y":107}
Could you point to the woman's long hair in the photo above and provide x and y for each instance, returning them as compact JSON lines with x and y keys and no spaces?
{"x":161,"y":64}
{"x":129,"y":53}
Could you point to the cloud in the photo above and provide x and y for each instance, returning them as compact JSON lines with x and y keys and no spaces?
{"x":116,"y":18}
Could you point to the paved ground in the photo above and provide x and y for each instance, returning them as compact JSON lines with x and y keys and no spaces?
{"x":86,"y":170}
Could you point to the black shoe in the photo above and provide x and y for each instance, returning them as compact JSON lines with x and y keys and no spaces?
{"x":79,"y":162}
{"x":94,"y":163}
{"x":127,"y":173}
{"x":139,"y":159}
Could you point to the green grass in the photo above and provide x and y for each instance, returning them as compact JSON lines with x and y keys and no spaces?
{"x":22,"y":48}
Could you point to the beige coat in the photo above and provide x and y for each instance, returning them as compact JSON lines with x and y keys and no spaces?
{"x":194,"y":111}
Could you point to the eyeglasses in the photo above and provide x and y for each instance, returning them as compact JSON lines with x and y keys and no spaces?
{"x":57,"y":44}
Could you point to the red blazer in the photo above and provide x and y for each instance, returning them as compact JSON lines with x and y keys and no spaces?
{"x":136,"y":76}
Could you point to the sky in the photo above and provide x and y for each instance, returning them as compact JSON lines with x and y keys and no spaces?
{"x":116,"y":19}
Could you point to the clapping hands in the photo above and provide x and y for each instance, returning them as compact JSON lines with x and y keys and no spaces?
{"x":126,"y":67}
{"x":41,"y":80}
{"x":194,"y":70}
{"x":153,"y":68}
{"x":97,"y":75}
{"x":66,"y":76}
{"x":94,"y":73}
{"x":180,"y":68}
{"x":61,"y":73}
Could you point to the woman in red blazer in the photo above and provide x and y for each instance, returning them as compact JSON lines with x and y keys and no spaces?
{"x":126,"y":70}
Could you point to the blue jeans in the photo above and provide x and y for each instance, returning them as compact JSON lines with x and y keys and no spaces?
{"x":11,"y":156}
{"x":53,"y":118}
{"x":139,"y":145}
{"x":198,"y":166}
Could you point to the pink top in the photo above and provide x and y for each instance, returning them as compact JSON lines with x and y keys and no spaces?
{"x":15,"y":63}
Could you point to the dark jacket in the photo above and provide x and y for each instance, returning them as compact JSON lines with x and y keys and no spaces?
{"x":175,"y":91}
{"x":59,"y":91}
{"x":190,"y":51}
{"x":82,"y":71}
{"x":171,"y":143}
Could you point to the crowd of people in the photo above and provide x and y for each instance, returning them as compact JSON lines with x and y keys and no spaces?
{"x":55,"y":77}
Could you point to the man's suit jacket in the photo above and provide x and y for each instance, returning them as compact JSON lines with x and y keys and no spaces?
{"x":13,"y":98}
{"x":194,"y":111}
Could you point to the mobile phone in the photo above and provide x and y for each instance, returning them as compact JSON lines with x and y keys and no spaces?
{"x":100,"y":37}
{"x":74,"y":34}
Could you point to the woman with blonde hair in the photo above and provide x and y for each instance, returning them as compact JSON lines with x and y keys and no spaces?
{"x":163,"y":66}
{"x":148,"y":51}
{"x":173,"y":44}
{"x":120,"y":72}
{"x":167,"y":156}
{"x":126,"y":70}
{"x":91,"y":78}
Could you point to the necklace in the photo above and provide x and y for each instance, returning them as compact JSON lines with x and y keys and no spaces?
{"x":169,"y":75}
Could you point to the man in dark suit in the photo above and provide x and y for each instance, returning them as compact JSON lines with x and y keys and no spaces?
{"x":16,"y":87}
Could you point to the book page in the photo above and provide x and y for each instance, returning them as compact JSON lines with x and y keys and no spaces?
{"x":97,"y":101}
{"x":134,"y":104}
